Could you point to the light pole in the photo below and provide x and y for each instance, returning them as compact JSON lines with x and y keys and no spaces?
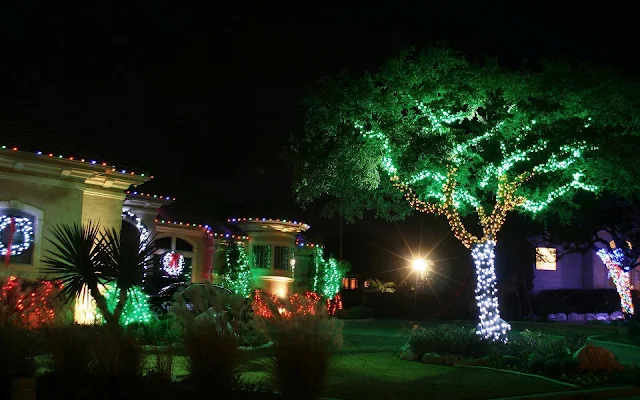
{"x":419,"y":269}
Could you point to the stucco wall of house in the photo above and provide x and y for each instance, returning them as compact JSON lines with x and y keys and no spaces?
{"x":102,"y":207}
{"x":196,"y":237}
{"x":57,"y":205}
{"x":567,"y":275}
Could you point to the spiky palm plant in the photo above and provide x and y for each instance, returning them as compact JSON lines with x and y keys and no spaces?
{"x":83,"y":255}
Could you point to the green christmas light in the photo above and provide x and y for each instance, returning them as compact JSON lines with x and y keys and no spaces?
{"x":237,"y":272}
{"x":136,"y":308}
{"x":327,"y":279}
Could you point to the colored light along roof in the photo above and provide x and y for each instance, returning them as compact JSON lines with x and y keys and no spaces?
{"x":75,"y":159}
{"x":300,"y":243}
{"x":301,"y":224}
{"x":154,"y":196}
{"x":206,"y":228}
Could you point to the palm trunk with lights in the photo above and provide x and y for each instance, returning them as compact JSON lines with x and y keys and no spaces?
{"x":491,"y":325}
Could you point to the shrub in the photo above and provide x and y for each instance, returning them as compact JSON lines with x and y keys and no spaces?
{"x":212,"y":356}
{"x":304,"y":345}
{"x":632,"y":331}
{"x":557,"y":367}
{"x":116,"y":352}
{"x":69,"y":350}
{"x":357,"y":312}
{"x":157,"y":332}
{"x":16,"y":356}
{"x":448,"y":339}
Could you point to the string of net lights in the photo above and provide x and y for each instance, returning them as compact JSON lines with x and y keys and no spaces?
{"x":173,"y":263}
{"x":441,"y":195}
{"x":614,"y":262}
{"x":20,"y":235}
{"x":145,"y":234}
{"x":136,"y":309}
{"x":33,"y":307}
{"x":238,"y":271}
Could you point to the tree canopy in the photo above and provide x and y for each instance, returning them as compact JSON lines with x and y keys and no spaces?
{"x":458,"y":138}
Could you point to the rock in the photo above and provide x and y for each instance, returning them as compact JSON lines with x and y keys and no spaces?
{"x":602,"y":317}
{"x":616,"y":315}
{"x":561,"y":317}
{"x":432,"y":358}
{"x":409,"y":355}
{"x":451,"y":360}
{"x":551,"y":317}
{"x":594,"y":358}
{"x":590,"y":317}
{"x":575,"y":317}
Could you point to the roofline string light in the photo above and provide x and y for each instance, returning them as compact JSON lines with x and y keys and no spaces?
{"x":77,"y":159}
{"x":300,"y":243}
{"x":206,"y":228}
{"x":302,"y":224}
{"x":155,"y":196}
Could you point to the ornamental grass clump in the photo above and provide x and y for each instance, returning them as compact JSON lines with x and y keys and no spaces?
{"x":212,"y":356}
{"x":69,"y":350}
{"x":304,"y":346}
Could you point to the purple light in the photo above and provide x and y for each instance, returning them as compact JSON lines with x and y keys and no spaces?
{"x":93,"y":162}
{"x":124,"y":172}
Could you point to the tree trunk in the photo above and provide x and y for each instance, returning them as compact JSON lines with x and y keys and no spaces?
{"x":491,"y":326}
{"x":101,"y":303}
{"x":122,"y":300}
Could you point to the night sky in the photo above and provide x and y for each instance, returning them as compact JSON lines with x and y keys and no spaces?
{"x":204,"y":98}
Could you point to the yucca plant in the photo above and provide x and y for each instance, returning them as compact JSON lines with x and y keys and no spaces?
{"x":86,"y":255}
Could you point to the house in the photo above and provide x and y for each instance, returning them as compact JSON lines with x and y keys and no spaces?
{"x":557,"y":269}
{"x":39,"y":190}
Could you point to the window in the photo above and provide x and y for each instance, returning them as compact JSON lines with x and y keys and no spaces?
{"x":261,"y":256}
{"x":282,"y":258}
{"x":345,"y":283}
{"x":22,"y":238}
{"x":546,"y":258}
{"x":354,"y":283}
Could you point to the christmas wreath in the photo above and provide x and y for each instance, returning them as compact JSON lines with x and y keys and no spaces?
{"x":173,"y":263}
{"x":15,"y":245}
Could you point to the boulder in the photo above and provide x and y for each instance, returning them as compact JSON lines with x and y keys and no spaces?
{"x":451,"y":360}
{"x":593,"y":358}
{"x":551,"y":317}
{"x":575,"y":317}
{"x":561,"y":317}
{"x":408,"y":354}
{"x":590,"y":317}
{"x":616,"y":315}
{"x":432,"y":358}
{"x":602,"y":317}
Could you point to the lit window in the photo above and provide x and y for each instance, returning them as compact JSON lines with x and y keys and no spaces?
{"x":281,"y":260}
{"x":546,"y":258}
{"x":345,"y":283}
{"x":612,"y":244}
{"x":354,"y":283}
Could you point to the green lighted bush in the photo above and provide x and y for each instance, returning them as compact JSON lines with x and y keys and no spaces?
{"x":448,"y":339}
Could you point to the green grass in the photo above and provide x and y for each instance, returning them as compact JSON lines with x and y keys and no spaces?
{"x":368,"y":367}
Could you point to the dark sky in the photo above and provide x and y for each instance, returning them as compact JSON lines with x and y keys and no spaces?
{"x":204,"y":97}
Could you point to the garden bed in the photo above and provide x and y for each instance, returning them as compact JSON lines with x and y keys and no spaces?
{"x":566,"y":358}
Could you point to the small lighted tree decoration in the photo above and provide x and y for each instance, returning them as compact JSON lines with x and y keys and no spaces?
{"x":236,"y":274}
{"x":459,"y":140}
{"x":328,"y":274}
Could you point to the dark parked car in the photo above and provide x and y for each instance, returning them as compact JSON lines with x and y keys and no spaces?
{"x":160,"y":302}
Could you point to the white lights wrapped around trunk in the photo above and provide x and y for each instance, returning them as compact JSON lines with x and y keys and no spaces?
{"x":491,"y":326}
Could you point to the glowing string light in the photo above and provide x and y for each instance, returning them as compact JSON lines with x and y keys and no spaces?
{"x":614,"y":262}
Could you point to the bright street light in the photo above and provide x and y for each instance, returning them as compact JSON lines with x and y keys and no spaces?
{"x":420,"y":266}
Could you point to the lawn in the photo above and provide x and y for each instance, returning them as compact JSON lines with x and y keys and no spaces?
{"x":368,"y":367}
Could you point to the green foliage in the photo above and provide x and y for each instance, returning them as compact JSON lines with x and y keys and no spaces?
{"x":236,"y":274}
{"x":328,"y":274}
{"x":448,"y":339}
{"x":376,"y":285}
{"x":424,"y":112}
